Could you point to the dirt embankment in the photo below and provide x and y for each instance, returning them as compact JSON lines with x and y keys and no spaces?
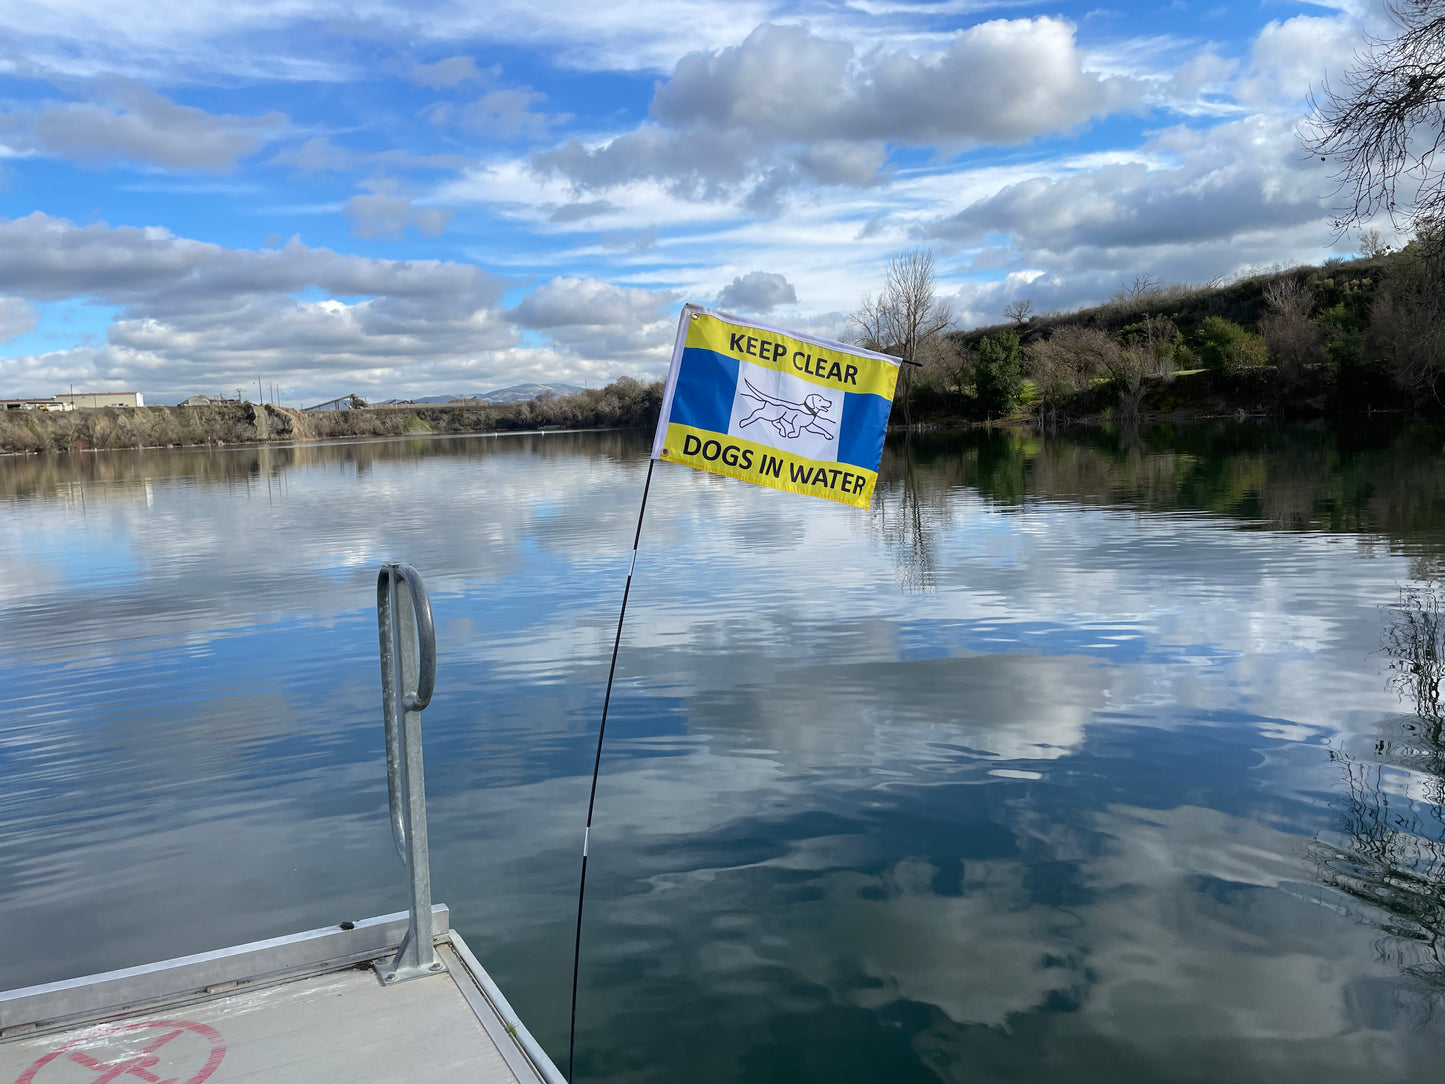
{"x":625,"y":403}
{"x":244,"y":423}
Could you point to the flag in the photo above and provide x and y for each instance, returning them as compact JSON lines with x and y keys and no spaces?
{"x":775,"y":408}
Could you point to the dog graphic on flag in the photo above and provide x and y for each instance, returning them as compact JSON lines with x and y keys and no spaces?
{"x":789,"y":419}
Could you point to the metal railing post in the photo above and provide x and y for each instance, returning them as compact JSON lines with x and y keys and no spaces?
{"x":408,"y":675}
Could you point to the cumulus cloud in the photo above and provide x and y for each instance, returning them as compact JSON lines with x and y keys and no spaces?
{"x":1003,"y":81}
{"x":17,"y":317}
{"x":1291,"y":56}
{"x":788,"y":104}
{"x":571,"y":302}
{"x":598,"y":319}
{"x":451,"y":72}
{"x":509,"y":114}
{"x":576,"y":212}
{"x":385,"y":213}
{"x":204,"y":38}
{"x":47,"y":258}
{"x":320,"y":155}
{"x":697,"y":165}
{"x":133,"y":123}
{"x":1231,"y":179}
{"x":198,"y":314}
{"x":500,"y":113}
{"x":1090,"y":275}
{"x":757,"y":291}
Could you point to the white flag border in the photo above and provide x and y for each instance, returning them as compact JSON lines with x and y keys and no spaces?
{"x":690,"y":310}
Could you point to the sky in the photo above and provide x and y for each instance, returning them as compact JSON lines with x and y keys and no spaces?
{"x":396,"y":199}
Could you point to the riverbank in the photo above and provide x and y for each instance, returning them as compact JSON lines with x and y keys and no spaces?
{"x":625,"y":403}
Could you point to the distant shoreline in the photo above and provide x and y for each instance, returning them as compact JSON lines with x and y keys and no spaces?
{"x":626,"y":403}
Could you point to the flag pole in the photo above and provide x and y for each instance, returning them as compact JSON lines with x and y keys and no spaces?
{"x":597,"y":767}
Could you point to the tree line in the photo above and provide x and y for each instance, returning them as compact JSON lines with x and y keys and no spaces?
{"x":1365,"y":333}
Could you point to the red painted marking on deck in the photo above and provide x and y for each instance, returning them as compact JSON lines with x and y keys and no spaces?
{"x":138,"y":1065}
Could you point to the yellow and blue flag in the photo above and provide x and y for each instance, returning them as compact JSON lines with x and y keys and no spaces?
{"x":775,"y":408}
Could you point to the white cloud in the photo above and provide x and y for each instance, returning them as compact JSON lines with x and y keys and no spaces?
{"x":788,"y":104}
{"x":451,"y":72}
{"x":17,"y":317}
{"x":320,"y":154}
{"x":1237,"y":177}
{"x":136,"y":124}
{"x":577,"y":212}
{"x":1290,"y":57}
{"x":46,"y":258}
{"x":570,"y":302}
{"x":507,"y":113}
{"x":385,"y":213}
{"x":1002,"y":81}
{"x":757,"y":291}
{"x":599,"y":320}
{"x":206,"y":38}
{"x":198,"y":315}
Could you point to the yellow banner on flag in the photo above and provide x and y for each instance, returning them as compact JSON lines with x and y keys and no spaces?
{"x":817,"y":361}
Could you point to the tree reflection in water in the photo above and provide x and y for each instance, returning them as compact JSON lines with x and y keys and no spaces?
{"x":1415,"y":642}
{"x":1392,"y":845}
{"x":907,"y":515}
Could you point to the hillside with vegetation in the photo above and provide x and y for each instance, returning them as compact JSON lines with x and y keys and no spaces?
{"x":1348,"y":336}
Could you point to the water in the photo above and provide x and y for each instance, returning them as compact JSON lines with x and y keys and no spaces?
{"x":1076,"y":760}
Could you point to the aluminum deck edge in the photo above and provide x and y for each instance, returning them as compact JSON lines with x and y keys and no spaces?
{"x":96,"y":997}
{"x":501,"y":1010}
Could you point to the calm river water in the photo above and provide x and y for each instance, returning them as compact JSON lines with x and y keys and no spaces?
{"x":1069,"y":760}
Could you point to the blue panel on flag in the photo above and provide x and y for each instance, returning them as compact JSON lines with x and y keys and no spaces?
{"x":707,"y":382}
{"x":865,"y":420}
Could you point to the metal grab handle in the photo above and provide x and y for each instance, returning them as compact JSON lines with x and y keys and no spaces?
{"x":426,"y":638}
{"x":417,"y":659}
{"x":408,"y":676}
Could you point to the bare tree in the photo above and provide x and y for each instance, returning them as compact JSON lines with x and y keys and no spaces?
{"x":1019,"y":311}
{"x":1068,"y":361}
{"x":1293,"y":339}
{"x":906,"y":315}
{"x":1407,"y":323}
{"x":1372,"y":244}
{"x":947,"y":362}
{"x":1384,"y":124}
{"x":917,"y":312}
{"x":1143,"y":287}
{"x":872,"y":323}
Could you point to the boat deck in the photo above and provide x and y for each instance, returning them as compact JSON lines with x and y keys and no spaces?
{"x":308,"y":1008}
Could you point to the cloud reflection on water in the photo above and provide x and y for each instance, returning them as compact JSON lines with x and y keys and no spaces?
{"x":807,"y":863}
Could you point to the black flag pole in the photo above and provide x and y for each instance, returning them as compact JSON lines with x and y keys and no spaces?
{"x":596,"y":769}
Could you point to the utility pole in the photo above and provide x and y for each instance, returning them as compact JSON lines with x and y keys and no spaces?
{"x":260,"y":395}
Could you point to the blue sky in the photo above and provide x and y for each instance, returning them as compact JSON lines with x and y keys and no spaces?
{"x":440,"y":197}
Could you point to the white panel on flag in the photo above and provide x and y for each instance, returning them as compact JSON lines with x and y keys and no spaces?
{"x":786,"y":413}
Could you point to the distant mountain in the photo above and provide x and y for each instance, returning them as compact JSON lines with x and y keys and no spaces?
{"x":521,"y":393}
{"x":517,"y":393}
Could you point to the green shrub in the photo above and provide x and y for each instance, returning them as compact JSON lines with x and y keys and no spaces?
{"x":1225,"y":346}
{"x":998,"y":373}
